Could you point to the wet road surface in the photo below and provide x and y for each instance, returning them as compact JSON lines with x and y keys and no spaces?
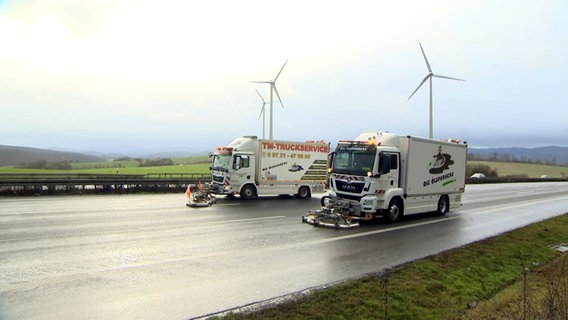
{"x":151,"y":257}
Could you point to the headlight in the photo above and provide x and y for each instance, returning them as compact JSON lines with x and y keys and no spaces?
{"x":368,"y":202}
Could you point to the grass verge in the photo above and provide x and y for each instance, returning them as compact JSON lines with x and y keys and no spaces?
{"x":457,"y":284}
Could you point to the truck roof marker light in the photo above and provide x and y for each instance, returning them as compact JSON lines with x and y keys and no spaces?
{"x":225,"y":148}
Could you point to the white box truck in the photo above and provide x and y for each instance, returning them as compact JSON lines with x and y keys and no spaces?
{"x":253,"y":167}
{"x":384,"y":174}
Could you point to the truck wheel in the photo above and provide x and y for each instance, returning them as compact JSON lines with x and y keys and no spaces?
{"x":443,"y":205}
{"x":394,"y":212}
{"x":303,"y":193}
{"x":247,"y":192}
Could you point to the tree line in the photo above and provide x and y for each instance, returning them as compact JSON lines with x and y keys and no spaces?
{"x":505,"y":157}
{"x":66,"y":165}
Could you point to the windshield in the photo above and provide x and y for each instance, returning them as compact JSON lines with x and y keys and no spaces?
{"x":355,"y":159}
{"x":221,"y":162}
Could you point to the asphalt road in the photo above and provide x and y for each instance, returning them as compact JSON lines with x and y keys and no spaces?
{"x":151,"y":257}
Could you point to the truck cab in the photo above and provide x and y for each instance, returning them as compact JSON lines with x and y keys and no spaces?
{"x":390,"y":175}
{"x":366,"y":172}
{"x":231,"y":170}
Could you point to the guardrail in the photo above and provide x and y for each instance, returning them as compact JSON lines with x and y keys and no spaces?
{"x":73,"y":183}
{"x":40,"y":176}
{"x":510,"y":180}
{"x":77,"y":183}
{"x":178,"y":175}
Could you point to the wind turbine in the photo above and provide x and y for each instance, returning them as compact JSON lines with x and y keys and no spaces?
{"x":262,"y":112}
{"x":429,"y":76}
{"x":273,"y":89}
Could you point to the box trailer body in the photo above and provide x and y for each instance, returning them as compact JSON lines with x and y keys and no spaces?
{"x":392,"y":175}
{"x":254,"y":167}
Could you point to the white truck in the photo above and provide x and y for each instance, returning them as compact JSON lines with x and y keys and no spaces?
{"x":253,"y":167}
{"x":384,"y":174}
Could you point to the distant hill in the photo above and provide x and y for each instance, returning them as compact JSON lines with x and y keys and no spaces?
{"x":13,"y":156}
{"x":547,"y":155}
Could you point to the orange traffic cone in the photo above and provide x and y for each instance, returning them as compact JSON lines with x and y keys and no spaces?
{"x":188,"y":191}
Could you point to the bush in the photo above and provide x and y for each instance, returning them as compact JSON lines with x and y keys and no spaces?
{"x":156,"y":162}
{"x":44,"y":164}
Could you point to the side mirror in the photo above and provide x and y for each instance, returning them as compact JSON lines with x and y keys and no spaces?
{"x":330,"y":157}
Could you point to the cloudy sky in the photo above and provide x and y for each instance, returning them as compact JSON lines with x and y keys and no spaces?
{"x":136,"y":76}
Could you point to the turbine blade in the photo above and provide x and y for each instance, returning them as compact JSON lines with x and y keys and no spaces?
{"x":279,"y":100}
{"x":280,"y":71}
{"x":420,"y":85}
{"x":446,"y":77}
{"x":261,"y":98}
{"x":261,"y":111}
{"x":425,"y":59}
{"x":260,"y":82}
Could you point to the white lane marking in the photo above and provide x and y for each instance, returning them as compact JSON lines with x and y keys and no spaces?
{"x":513,"y":206}
{"x":418,"y":224}
{"x":250,"y":219}
{"x":320,"y":241}
{"x":226,"y":204}
{"x":131,"y":230}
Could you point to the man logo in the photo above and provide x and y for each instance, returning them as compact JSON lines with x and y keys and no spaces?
{"x":349,"y":187}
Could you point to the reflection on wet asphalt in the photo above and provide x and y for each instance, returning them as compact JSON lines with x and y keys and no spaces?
{"x":151,"y":257}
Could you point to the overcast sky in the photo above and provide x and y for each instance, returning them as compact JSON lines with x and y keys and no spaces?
{"x":137,"y":76}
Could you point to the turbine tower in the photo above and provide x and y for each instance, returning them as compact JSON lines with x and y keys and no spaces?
{"x":262,"y":112}
{"x":273,"y":90}
{"x":429,"y":76}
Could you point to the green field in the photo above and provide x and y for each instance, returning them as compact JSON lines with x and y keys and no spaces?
{"x":508,"y":169}
{"x":201,"y":165}
{"x":182,"y":165}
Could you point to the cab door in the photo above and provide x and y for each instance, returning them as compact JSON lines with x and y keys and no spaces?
{"x":243,"y":168}
{"x":389,"y":168}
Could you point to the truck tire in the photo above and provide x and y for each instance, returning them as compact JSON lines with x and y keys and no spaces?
{"x":394,"y":211}
{"x":443,"y":205}
{"x":303,"y":193}
{"x":247,"y":192}
{"x":324,"y":201}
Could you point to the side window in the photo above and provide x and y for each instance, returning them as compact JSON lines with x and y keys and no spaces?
{"x":245,"y":162}
{"x":241,"y":162}
{"x":394,"y":161}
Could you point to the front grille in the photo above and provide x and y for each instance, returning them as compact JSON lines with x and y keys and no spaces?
{"x":353,"y":187}
{"x":350,"y":197}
